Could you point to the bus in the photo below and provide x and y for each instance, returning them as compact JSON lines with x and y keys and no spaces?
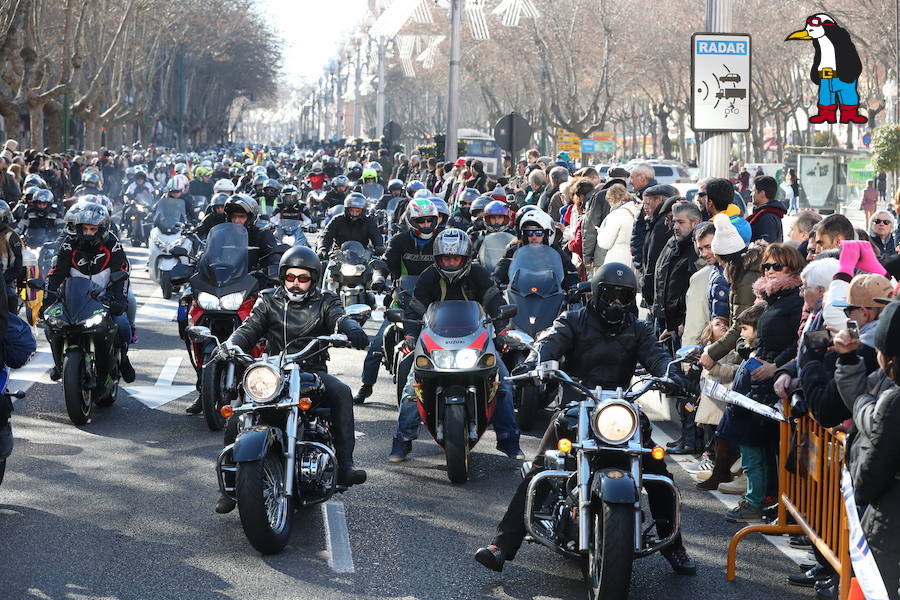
{"x":483,"y":147}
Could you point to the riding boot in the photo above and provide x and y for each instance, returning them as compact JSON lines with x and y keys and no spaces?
{"x":721,"y":472}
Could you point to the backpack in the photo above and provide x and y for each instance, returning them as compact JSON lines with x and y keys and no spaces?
{"x":19,"y":345}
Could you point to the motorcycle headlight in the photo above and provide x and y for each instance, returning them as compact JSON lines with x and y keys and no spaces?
{"x":93,"y":320}
{"x":262,"y":382}
{"x":615,"y":423}
{"x":466,"y":358}
{"x":352,"y":270}
{"x":442,"y":359}
{"x":232,"y":301}
{"x":208,"y":302}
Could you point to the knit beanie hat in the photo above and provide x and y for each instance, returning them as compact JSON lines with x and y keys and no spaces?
{"x":726,"y":239}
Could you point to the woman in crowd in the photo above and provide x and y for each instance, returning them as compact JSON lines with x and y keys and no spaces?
{"x":614,"y":233}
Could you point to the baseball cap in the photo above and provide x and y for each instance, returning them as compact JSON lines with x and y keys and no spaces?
{"x":460,"y":162}
{"x":866,"y":289}
{"x":887,"y":331}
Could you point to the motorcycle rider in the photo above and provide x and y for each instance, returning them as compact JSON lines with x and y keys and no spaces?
{"x":453,"y":276}
{"x":10,"y":255}
{"x":176,"y":188}
{"x":602,"y":344}
{"x":354,"y":171}
{"x":290,"y":207}
{"x":340,"y":186}
{"x":536,"y":229}
{"x":268,"y":199}
{"x":140,"y":184}
{"x":40,"y":212}
{"x":394,"y":190}
{"x":298,"y":309}
{"x":223,"y":186}
{"x":90,"y":183}
{"x":316,"y":178}
{"x":443,"y":212}
{"x":462,"y":217}
{"x":216,"y":205}
{"x":90,"y":250}
{"x":408,"y":253}
{"x":477,"y":214}
{"x":496,"y":220}
{"x":353,"y":224}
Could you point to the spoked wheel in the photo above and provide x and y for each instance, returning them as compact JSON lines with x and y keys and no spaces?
{"x":79,"y":398}
{"x":529,"y":399}
{"x":456,"y":443}
{"x":607,"y":570}
{"x":212,"y":393}
{"x":264,"y":505}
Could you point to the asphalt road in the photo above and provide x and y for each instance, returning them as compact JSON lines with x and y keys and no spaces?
{"x":122,"y":508}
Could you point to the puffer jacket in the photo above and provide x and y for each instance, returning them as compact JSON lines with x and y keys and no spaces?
{"x":275,"y":317}
{"x":598,"y":355}
{"x":777,"y":330}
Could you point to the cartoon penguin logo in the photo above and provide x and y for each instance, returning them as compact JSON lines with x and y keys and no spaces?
{"x":835,"y":69}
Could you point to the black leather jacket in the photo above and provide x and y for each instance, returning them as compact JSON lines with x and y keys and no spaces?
{"x":274,"y":317}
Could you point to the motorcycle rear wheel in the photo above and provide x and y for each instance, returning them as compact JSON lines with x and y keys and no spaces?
{"x":79,"y":399}
{"x":456,"y":443}
{"x":212,"y":393}
{"x":266,"y":510}
{"x":607,"y":569}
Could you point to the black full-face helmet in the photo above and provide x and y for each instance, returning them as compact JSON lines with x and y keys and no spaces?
{"x":613,"y":290}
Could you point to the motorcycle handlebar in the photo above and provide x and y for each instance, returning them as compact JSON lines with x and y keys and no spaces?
{"x":550,"y":371}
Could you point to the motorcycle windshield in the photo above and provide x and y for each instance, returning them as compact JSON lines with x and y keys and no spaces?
{"x":225,"y":259}
{"x":373,"y":191}
{"x":454,"y":318}
{"x":392,"y":204}
{"x":143,"y":198}
{"x":169,"y":215}
{"x":352,"y":252}
{"x":79,"y":304}
{"x":35,"y":238}
{"x":493,"y":248}
{"x":336,"y":210}
{"x":536,"y":270}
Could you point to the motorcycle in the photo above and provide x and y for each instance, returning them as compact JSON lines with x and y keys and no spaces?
{"x":6,"y":407}
{"x":493,"y":248}
{"x":290,"y":232}
{"x":373,"y":193}
{"x":586,"y":504}
{"x":222,"y":293}
{"x":283,"y":455}
{"x":455,"y":370}
{"x":391,"y":356}
{"x":535,"y":277}
{"x":385,"y":219}
{"x":84,"y":335}
{"x":40,"y":246}
{"x":346,"y":274}
{"x":134,"y":215}
{"x":166,"y":234}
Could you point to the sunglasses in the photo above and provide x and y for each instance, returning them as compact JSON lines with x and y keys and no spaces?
{"x":881,"y":221}
{"x":291,"y":278}
{"x":773,"y":266}
{"x":816,"y":22}
{"x":611,"y":294}
{"x":424,"y":220}
{"x":535,"y":233}
{"x":701,"y":194}
{"x":848,"y":310}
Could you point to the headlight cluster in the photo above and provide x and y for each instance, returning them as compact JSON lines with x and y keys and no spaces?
{"x":461,"y":359}
{"x":227,"y":302}
{"x":93,"y":320}
{"x":262,"y":382}
{"x":352,"y":270}
{"x":614,"y":423}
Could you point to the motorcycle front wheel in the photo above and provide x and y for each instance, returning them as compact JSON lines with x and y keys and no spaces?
{"x":79,"y":398}
{"x":265,"y":507}
{"x":212,"y":393}
{"x":165,"y":283}
{"x":607,"y":571}
{"x":456,"y":443}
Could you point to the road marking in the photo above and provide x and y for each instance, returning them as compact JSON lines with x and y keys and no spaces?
{"x":156,"y":309}
{"x":337,"y":537}
{"x":36,"y":371}
{"x":163,"y":392}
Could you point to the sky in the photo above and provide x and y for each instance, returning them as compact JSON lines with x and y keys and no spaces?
{"x":311,"y":30}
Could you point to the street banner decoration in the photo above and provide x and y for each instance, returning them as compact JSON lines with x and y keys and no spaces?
{"x":717,"y":391}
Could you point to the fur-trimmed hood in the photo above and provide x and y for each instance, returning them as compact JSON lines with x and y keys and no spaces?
{"x":766,"y":288}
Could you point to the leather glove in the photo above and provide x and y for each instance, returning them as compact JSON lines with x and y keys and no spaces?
{"x":408,"y":345}
{"x":117,"y":307}
{"x":682,"y":385}
{"x":226,"y":349}
{"x":358,"y":338}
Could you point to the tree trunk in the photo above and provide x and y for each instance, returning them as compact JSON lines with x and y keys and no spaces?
{"x":91,"y":134}
{"x":36,"y":122}
{"x":53,"y":115}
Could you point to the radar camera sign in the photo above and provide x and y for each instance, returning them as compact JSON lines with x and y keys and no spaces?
{"x":720,"y":82}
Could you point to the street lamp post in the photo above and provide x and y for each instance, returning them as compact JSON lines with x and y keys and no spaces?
{"x":379,"y":98}
{"x":450,"y":149}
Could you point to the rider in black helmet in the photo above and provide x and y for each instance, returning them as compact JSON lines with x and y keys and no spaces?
{"x":602,"y":344}
{"x":298,"y":309}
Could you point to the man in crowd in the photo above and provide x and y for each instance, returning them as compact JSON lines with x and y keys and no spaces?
{"x":765,"y":222}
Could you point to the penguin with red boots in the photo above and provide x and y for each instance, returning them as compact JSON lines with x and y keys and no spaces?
{"x":835,"y":69}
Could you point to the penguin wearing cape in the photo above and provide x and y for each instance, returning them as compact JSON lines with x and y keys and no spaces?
{"x":835,"y":69}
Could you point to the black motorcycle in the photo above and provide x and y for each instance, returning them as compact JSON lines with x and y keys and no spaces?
{"x":283,"y":456}
{"x":84,"y":339}
{"x":346,"y":274}
{"x":586,"y":504}
{"x":397,"y":363}
{"x":134,"y":218}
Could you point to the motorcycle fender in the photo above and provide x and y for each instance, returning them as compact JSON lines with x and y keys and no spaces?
{"x":615,"y":487}
{"x":252,"y":444}
{"x":456,"y":399}
{"x":166,"y":263}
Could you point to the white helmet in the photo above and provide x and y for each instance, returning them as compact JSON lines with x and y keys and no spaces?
{"x":223,"y":185}
{"x":537,"y":219}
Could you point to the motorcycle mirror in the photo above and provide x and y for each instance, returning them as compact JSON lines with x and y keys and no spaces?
{"x":198,"y":333}
{"x":583,"y":287}
{"x":507,"y":311}
{"x":358,"y":312}
{"x":689,"y":351}
{"x":394,"y":315}
{"x":179,"y":251}
{"x":36,"y":283}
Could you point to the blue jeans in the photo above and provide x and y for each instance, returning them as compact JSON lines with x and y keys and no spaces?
{"x":834,"y":91}
{"x":372,"y":362}
{"x":505,"y":425}
{"x":123,"y":325}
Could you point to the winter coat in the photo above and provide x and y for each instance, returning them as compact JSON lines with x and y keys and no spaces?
{"x":697,"y":316}
{"x":612,"y":240}
{"x":546,"y":196}
{"x":363,"y":230}
{"x":717,"y":292}
{"x":320,"y":313}
{"x":765,"y":222}
{"x":596,"y":209}
{"x":778,"y":328}
{"x":709,"y":411}
{"x":740,"y":298}
{"x":599,"y":356}
{"x":886,"y":247}
{"x":658,"y":233}
{"x":676,"y":263}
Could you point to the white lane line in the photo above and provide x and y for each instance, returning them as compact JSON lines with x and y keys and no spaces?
{"x":163,"y":392}
{"x":156,"y":309}
{"x":337,"y":537}
{"x":169,"y":371}
{"x":798,"y":555}
{"x":36,"y":371}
